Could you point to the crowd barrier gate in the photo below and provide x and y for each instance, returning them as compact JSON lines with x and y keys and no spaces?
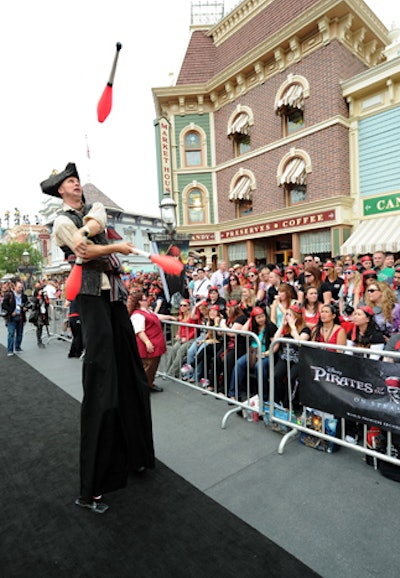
{"x":295,"y":427}
{"x":254,"y":385}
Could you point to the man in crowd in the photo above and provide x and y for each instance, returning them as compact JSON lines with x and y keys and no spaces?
{"x":201,"y":285}
{"x":378,"y":258}
{"x":220,"y":277}
{"x":15,"y":305}
{"x":116,"y":429}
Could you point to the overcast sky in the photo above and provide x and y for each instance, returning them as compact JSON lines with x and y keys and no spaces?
{"x":56,"y":59}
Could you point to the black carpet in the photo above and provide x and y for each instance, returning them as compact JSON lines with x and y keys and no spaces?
{"x":160,"y":525}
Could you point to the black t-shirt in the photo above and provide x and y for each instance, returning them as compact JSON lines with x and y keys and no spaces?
{"x":334,"y":287}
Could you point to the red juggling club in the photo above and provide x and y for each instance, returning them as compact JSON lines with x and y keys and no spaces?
{"x":105,"y":102}
{"x":74,"y":281}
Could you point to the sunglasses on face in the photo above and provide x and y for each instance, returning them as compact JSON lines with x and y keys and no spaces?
{"x":372,"y":290}
{"x":325,"y":269}
{"x":184,"y":305}
{"x":308,"y":260}
{"x":289,"y":272}
{"x":348,"y":272}
{"x":306,"y":276}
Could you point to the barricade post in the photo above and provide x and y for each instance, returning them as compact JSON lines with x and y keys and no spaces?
{"x":58,"y":319}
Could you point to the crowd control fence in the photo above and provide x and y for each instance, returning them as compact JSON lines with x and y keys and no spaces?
{"x":58,"y":322}
{"x":359,"y":388}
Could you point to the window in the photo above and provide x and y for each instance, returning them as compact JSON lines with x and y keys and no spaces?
{"x":195,"y":206}
{"x":293,"y":120}
{"x":241,"y":144}
{"x":295,"y":194}
{"x":244,"y":208}
{"x":193,"y":153}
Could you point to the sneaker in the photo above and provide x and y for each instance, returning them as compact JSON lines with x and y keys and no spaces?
{"x":186,"y":370}
{"x":19,"y":350}
{"x":10,"y":354}
{"x":204,"y":382}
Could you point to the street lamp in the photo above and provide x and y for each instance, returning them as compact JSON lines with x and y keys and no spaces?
{"x":26,"y":257}
{"x":168,"y":214}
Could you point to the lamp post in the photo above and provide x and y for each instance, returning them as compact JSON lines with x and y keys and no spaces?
{"x":27,"y":270}
{"x":168,"y":214}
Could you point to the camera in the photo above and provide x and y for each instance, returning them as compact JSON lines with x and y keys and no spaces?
{"x":348,"y":309}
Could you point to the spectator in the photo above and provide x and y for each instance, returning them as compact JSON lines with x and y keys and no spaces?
{"x":281,"y":304}
{"x":339,"y":268}
{"x":15,"y":305}
{"x":328,"y":328}
{"x":193,"y":371}
{"x":262,"y":295}
{"x":378,"y":259}
{"x":311,"y":306}
{"x":275,"y":279}
{"x":261,"y":325}
{"x":382,"y":299}
{"x":233,"y":290}
{"x":350,"y":291}
{"x":331,"y":280}
{"x":219,"y":277}
{"x":312,"y":276}
{"x":214,"y":298}
{"x":290,"y":277}
{"x":308,"y":262}
{"x":365,"y":333}
{"x":396,"y":282}
{"x":387,"y":272}
{"x":232,"y":347}
{"x":292,"y":327}
{"x":149,"y":336}
{"x":201,"y":285}
{"x":41,"y":303}
{"x":248,"y":300}
{"x":348,"y":260}
{"x":183,"y":340}
{"x":366,"y":263}
{"x":367,"y":277}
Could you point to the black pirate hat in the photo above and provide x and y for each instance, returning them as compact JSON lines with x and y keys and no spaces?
{"x":51,"y":185}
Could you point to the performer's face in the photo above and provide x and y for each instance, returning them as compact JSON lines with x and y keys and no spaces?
{"x":71,"y":190}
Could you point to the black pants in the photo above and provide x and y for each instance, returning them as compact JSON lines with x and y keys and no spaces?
{"x":116,"y":428}
{"x":76,"y":348}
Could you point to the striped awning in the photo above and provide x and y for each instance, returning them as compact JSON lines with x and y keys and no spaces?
{"x":379,"y":234}
{"x":293,"y":97}
{"x":239,"y":125}
{"x":242,"y":190}
{"x":294,"y":173}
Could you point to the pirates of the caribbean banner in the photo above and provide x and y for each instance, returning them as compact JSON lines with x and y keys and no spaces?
{"x":352,"y":387}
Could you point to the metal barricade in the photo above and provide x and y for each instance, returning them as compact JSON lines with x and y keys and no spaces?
{"x":58,"y":322}
{"x":219,"y":387}
{"x":295,"y":427}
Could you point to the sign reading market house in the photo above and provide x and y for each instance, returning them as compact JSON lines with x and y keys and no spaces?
{"x":281,"y":225}
{"x":378,"y":205}
{"x":165,"y":150}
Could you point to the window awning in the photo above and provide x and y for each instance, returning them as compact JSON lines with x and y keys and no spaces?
{"x":293,"y":97}
{"x":382,"y":234}
{"x":239,"y":125}
{"x":242,"y":190}
{"x":294,"y":173}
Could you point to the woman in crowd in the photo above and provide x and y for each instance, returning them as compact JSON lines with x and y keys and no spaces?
{"x":313,"y":276}
{"x":232,"y":347}
{"x":328,"y":328}
{"x":367,"y":277}
{"x":183,"y":340}
{"x":248,"y":300}
{"x":275,"y":279}
{"x":332,"y":280}
{"x":290,"y":277}
{"x":149,"y":335}
{"x":253,"y":279}
{"x":311,"y":307}
{"x":200,"y":316}
{"x":365,"y":333}
{"x":382,"y":299}
{"x":207,"y":346}
{"x":233,"y":290}
{"x":366,"y":263}
{"x":262,"y":295}
{"x":292,"y":327}
{"x":350,"y":291}
{"x":339,"y":268}
{"x":260,"y":324}
{"x":281,"y":303}
{"x":214,"y":298}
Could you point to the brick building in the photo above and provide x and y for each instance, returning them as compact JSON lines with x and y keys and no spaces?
{"x":254,"y":137}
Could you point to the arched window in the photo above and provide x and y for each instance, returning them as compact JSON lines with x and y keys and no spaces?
{"x":195,"y":206}
{"x":239,"y":124}
{"x":292,"y":176}
{"x":193,"y":152}
{"x":289,"y":103}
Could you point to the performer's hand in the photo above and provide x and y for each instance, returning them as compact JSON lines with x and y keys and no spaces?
{"x":125,"y":248}
{"x":79,"y":245}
